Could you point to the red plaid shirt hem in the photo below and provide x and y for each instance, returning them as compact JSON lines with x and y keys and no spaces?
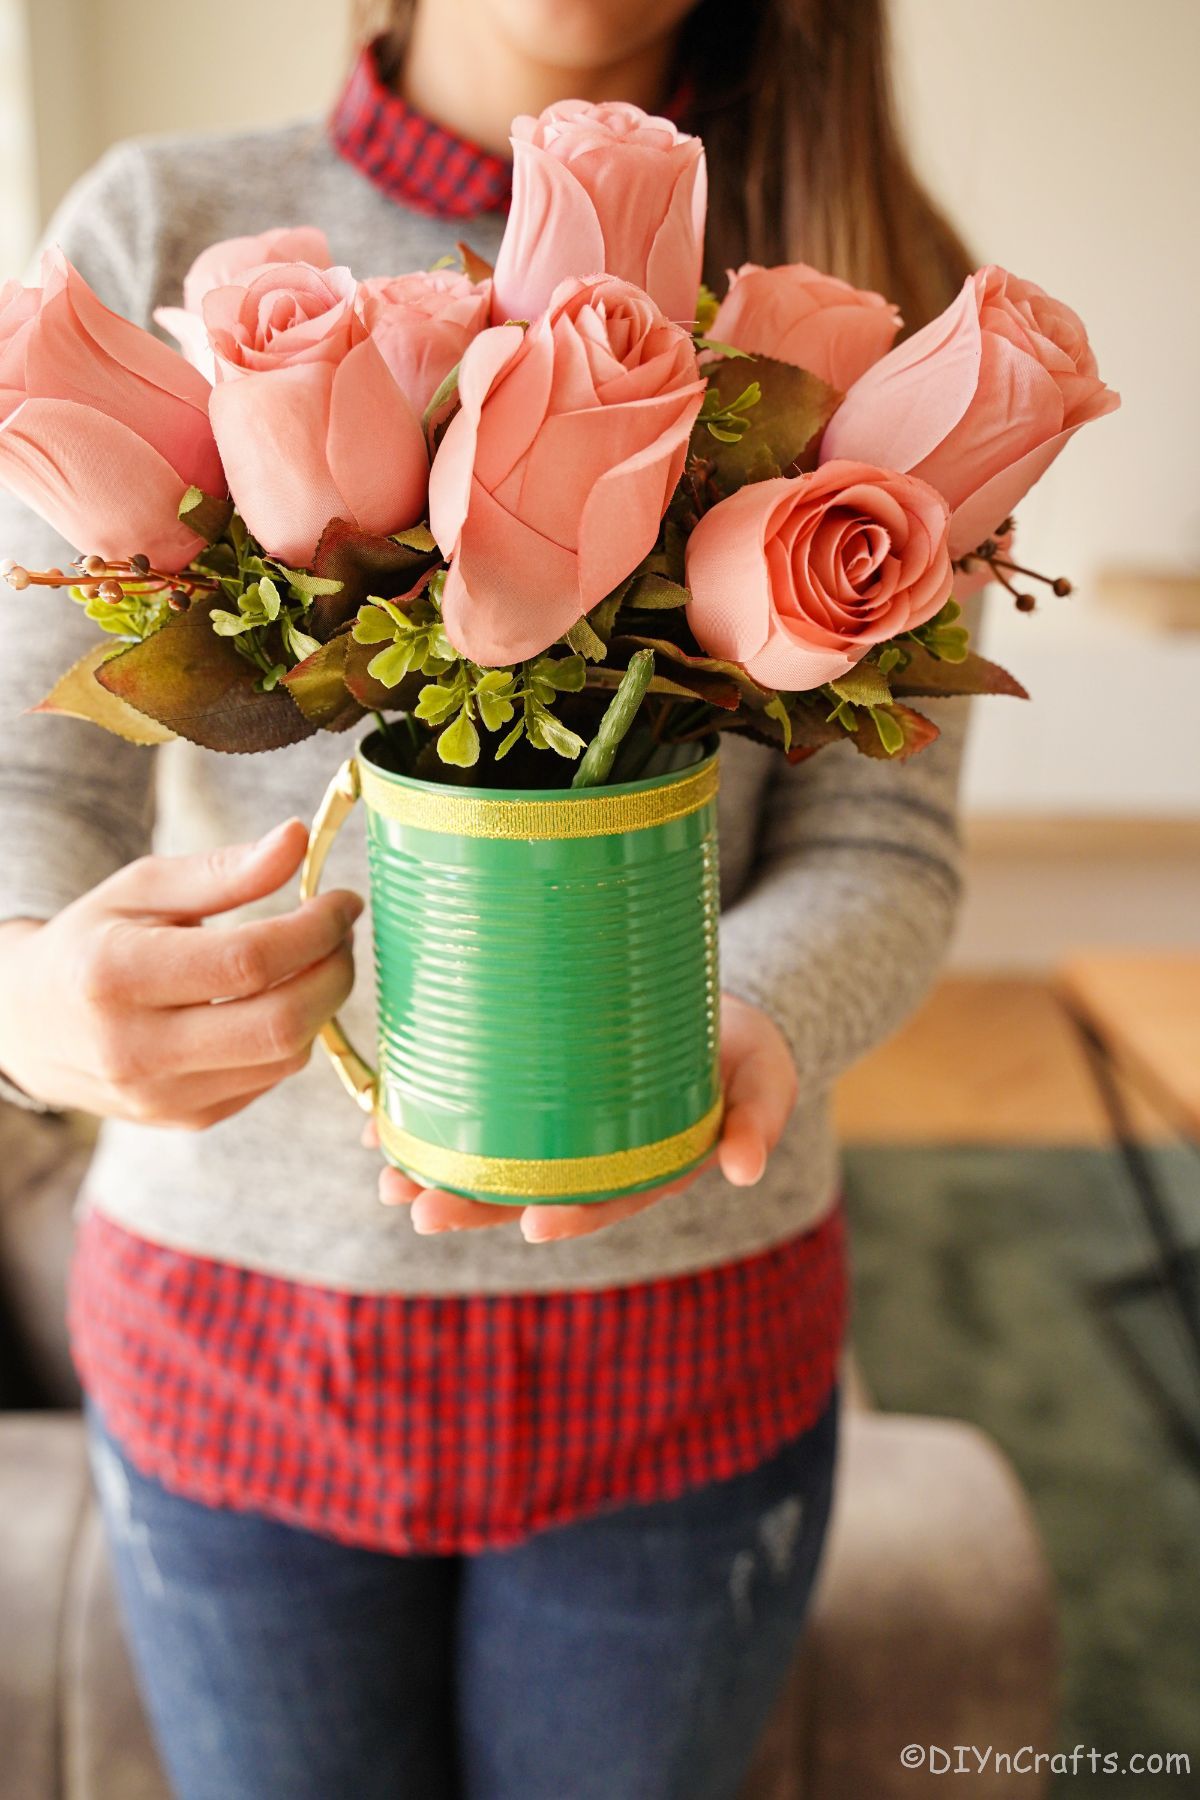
{"x":449,"y":1424}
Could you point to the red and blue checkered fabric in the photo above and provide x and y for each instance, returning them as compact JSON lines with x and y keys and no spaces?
{"x":450,"y":1423}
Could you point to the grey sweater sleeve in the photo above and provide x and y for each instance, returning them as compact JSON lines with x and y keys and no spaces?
{"x":853,"y":900}
{"x":75,"y":802}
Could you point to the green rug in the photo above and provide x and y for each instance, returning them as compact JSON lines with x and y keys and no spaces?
{"x":977,"y":1273}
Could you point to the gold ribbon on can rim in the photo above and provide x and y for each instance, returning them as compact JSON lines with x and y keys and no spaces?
{"x":578,"y":813}
{"x":551,"y":1178}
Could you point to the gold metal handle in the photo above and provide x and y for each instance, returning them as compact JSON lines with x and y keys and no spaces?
{"x":356,"y":1075}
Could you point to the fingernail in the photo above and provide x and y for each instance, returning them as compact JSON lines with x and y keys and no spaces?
{"x":350,"y":909}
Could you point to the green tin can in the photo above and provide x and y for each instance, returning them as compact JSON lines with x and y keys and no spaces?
{"x":548,"y":986}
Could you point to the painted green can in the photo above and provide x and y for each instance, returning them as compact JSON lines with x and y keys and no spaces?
{"x":548,"y":984}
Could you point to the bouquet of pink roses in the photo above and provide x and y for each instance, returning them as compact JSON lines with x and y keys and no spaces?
{"x":571,"y":504}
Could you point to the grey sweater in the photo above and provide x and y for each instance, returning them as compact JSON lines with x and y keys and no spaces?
{"x":838,"y":877}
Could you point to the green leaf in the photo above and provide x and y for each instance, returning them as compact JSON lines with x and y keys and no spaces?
{"x":891,"y":732}
{"x":586,"y":642}
{"x":707,"y":308}
{"x":717,"y":348}
{"x":444,"y":396}
{"x":864,"y":685}
{"x":494,"y":696}
{"x":436,"y":703}
{"x":783,"y":431}
{"x":374,"y":625}
{"x":916,"y":731}
{"x":459,"y":743}
{"x":565,"y":674}
{"x":269,"y":598}
{"x":194,"y":682}
{"x":391,"y":665}
{"x":474,"y":266}
{"x":309,"y":586}
{"x":654,"y":593}
{"x":776,"y":708}
{"x":206,"y":515}
{"x":555,"y":735}
{"x":506,"y":743}
{"x":228,"y":624}
{"x":619,"y":715}
{"x":298,"y":642}
{"x":418,"y":538}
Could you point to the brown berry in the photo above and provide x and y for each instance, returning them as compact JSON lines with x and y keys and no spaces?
{"x":95,"y":565}
{"x":177,"y":600}
{"x":140,"y":564}
{"x":1026,"y":603}
{"x":1062,"y":587}
{"x":111,"y":590}
{"x":18,"y":577}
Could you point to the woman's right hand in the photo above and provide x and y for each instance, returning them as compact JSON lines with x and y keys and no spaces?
{"x":109,"y":1006}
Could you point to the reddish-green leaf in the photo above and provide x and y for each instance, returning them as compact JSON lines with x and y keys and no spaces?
{"x":784,"y":430}
{"x":196,"y":684}
{"x":366,"y":565}
{"x":923,"y":674}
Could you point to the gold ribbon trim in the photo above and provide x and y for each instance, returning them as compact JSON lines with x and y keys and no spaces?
{"x":577,"y":815}
{"x":554,"y":1178}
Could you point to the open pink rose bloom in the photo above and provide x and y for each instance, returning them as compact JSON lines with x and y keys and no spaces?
{"x":510,"y":495}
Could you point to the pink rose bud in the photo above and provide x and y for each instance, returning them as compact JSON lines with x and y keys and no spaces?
{"x":102,"y":428}
{"x":551,"y":482}
{"x":979,"y":402}
{"x":230,"y":261}
{"x":602,"y":188}
{"x":796,"y":578}
{"x":311,"y":425}
{"x":816,"y":322}
{"x":422,"y":323}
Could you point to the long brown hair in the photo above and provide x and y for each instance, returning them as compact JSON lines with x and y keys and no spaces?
{"x":794,"y":101}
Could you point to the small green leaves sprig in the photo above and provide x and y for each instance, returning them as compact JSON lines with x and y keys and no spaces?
{"x":270,"y":602}
{"x":728,"y":421}
{"x":461,"y":695}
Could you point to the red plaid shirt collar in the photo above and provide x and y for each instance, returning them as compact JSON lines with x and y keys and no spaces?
{"x":412,"y":159}
{"x":418,"y":162}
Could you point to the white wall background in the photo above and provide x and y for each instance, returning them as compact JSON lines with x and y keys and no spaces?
{"x":1061,"y":134}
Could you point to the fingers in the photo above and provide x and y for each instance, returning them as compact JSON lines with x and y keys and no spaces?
{"x":760,"y":1091}
{"x":188,"y":1102}
{"x":169,"y":965}
{"x":548,"y":1224}
{"x":434,"y":1210}
{"x":268,"y":1028}
{"x":212,"y":881}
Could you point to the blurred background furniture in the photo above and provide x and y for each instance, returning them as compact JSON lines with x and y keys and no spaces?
{"x":935,"y":1621}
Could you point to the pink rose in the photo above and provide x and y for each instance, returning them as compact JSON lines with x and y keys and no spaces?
{"x":607,"y":189}
{"x":310,"y":423}
{"x":814,"y":321}
{"x":979,"y":402}
{"x":228,"y":262}
{"x":796,"y":578}
{"x":422,"y":323}
{"x":551,"y":482}
{"x":102,"y":428}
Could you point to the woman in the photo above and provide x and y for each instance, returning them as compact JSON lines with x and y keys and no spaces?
{"x":425,"y":1499}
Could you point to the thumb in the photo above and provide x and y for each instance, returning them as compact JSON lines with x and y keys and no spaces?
{"x":187,"y":888}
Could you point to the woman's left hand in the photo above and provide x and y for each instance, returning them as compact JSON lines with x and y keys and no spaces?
{"x":759,"y":1082}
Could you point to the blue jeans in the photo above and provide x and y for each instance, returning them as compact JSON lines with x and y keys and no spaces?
{"x":634,"y":1655}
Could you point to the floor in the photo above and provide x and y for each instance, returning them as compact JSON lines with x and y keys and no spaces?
{"x":991,"y":1214}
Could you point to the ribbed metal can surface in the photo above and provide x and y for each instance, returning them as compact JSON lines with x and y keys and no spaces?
{"x":548,"y":983}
